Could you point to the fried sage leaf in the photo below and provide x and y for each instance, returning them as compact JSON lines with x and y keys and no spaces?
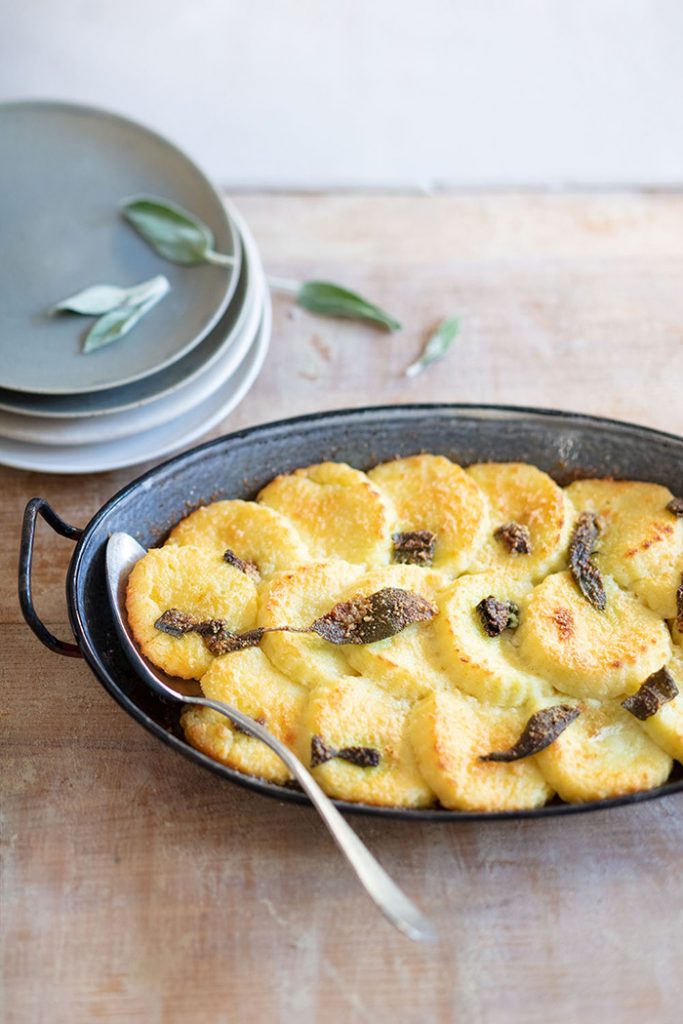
{"x":363,"y":757}
{"x":220,"y":640}
{"x":516,"y":538}
{"x":250,"y":569}
{"x":679,"y":606}
{"x":214,"y":632}
{"x":415,"y":547}
{"x":540,"y":731}
{"x":658,"y":689}
{"x":365,"y":620}
{"x":676,"y":506}
{"x":176,"y":623}
{"x":497,"y":616}
{"x":320,"y":752}
{"x":585,"y":572}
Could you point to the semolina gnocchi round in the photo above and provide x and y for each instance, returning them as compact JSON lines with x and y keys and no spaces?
{"x":337,"y":511}
{"x":585,"y":652}
{"x":248,"y":681}
{"x":604,"y":753}
{"x":354,"y":712}
{"x":406,"y":665}
{"x":450,"y":732}
{"x":429,"y":492}
{"x":195,"y":581}
{"x":255,"y":533}
{"x":297,"y":598}
{"x":486,"y":667}
{"x":640,"y":542}
{"x":665,"y":727}
{"x":522,"y":494}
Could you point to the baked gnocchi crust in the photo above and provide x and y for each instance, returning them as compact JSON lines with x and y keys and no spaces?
{"x":411,"y":720}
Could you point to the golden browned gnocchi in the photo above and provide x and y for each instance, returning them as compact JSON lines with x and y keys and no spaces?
{"x":199,"y":582}
{"x":603,"y":754}
{"x":488,"y":667}
{"x":337,"y":510}
{"x":450,"y":732}
{"x":249,"y":681}
{"x":429,"y":492}
{"x":587,"y":652}
{"x":297,"y":598}
{"x":408,"y":664}
{"x":641,"y":540}
{"x":255,"y":533}
{"x":425,"y":634}
{"x":355,"y":738}
{"x":541,"y":511}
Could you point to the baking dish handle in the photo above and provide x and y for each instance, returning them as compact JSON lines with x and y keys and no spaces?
{"x":36,"y":507}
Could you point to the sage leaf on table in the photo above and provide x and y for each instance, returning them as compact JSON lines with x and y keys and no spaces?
{"x":328,"y":299}
{"x":179,"y":236}
{"x":118,"y":309}
{"x":437,"y":346}
{"x":173,"y":232}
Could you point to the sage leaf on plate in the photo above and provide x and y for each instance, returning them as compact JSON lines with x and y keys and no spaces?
{"x":95,"y":301}
{"x":103,"y":298}
{"x":328,"y":299}
{"x":173,"y":232}
{"x":119,"y":321}
{"x":437,"y":346}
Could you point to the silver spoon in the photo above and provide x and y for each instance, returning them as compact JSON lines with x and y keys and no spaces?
{"x":123,"y":551}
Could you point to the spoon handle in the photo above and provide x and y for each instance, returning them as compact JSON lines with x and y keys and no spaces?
{"x":393,"y":903}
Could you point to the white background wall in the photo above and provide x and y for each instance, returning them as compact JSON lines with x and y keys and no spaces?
{"x":374,"y":93}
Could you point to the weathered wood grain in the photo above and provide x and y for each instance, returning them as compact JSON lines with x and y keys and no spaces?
{"x":136,"y":887}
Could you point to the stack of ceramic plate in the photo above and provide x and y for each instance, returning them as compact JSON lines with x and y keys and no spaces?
{"x":184,"y":367}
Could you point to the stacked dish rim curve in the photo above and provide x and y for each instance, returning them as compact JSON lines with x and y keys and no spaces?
{"x":176,"y":392}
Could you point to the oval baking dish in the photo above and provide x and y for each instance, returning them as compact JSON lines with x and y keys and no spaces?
{"x":566,"y":445}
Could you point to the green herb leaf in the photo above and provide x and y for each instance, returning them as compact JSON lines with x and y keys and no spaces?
{"x":101,"y":298}
{"x":118,"y":322}
{"x":174,"y":233}
{"x":437,"y":346}
{"x":329,"y":299}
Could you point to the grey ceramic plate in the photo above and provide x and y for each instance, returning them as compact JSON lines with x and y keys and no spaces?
{"x":174,"y":377}
{"x":64,"y":170}
{"x":148,"y":444}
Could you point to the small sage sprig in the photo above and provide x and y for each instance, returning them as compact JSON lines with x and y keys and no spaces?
{"x":118,"y":309}
{"x":179,"y":236}
{"x":437,"y":346}
{"x":362,"y":620}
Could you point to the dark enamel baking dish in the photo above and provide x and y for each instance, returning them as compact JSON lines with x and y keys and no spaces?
{"x":566,"y":445}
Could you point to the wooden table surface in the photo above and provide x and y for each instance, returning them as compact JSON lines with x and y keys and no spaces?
{"x":137,"y":887}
